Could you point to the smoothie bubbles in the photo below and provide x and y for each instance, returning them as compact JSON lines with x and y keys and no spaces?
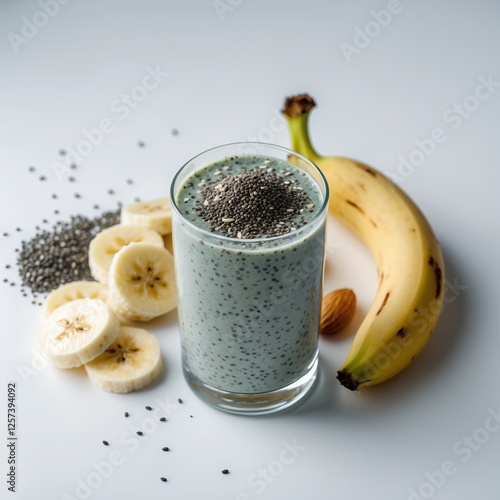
{"x":249,"y":236}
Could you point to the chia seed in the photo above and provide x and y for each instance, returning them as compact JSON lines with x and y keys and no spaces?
{"x":54,"y":257}
{"x":105,"y":443}
{"x":225,"y":471}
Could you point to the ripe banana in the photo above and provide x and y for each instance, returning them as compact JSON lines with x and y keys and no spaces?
{"x":72,"y":291}
{"x":142,"y":282}
{"x":154,"y":214}
{"x":107,"y":242}
{"x":410,"y":264}
{"x":130,"y":363}
{"x":77,"y":332}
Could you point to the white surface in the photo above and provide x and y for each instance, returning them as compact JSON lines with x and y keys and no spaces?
{"x":227,"y":79}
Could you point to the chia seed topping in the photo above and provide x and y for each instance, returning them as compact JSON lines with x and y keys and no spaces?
{"x":254,"y":203}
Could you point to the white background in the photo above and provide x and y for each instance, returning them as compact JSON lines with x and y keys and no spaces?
{"x":230,"y":65}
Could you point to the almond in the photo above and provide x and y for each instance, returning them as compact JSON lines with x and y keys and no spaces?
{"x":337,"y":309}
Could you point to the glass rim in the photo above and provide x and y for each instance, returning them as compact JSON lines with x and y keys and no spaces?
{"x":206,"y":232}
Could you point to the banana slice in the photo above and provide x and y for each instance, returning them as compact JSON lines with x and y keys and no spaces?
{"x":77,"y":332}
{"x":154,"y":214}
{"x":142,"y":282}
{"x":106,"y":243}
{"x":130,"y":363}
{"x":75,"y":290}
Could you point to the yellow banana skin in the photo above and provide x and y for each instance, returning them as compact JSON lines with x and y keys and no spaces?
{"x":410,"y":264}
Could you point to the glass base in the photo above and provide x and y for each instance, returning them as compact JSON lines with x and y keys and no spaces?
{"x":263,"y":403}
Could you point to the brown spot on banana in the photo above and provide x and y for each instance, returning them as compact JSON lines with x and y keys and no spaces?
{"x":439,"y":276}
{"x":362,"y":186}
{"x":373,"y":223}
{"x":401,"y":333}
{"x":369,"y":170}
{"x":439,"y":280}
{"x":386,"y":298}
{"x":356,"y":206}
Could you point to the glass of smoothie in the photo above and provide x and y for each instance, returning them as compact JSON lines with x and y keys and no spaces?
{"x":249,"y":237}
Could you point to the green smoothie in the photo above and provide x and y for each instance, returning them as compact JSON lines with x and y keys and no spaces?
{"x":250,"y":282}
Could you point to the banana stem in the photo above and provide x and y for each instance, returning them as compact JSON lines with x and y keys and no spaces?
{"x":296,"y":111}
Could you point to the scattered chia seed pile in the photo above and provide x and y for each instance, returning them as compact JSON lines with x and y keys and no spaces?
{"x":253,"y":204}
{"x":54,"y":257}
